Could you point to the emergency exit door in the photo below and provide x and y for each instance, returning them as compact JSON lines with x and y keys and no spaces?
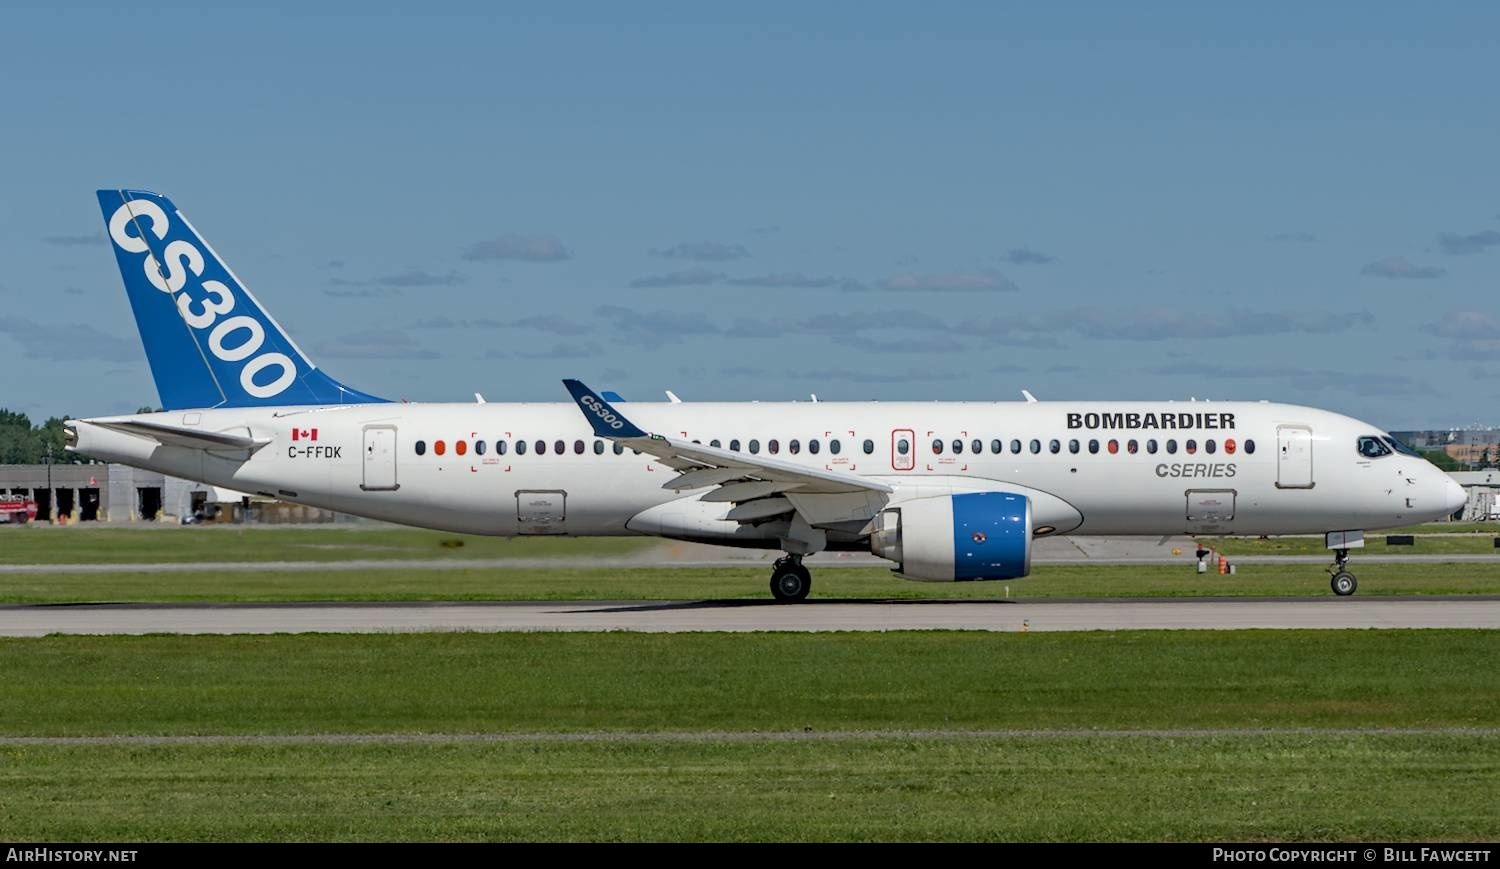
{"x":903,"y":450}
{"x":1294,"y":458}
{"x":380,"y":458}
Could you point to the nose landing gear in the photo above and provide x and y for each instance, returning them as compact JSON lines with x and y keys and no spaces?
{"x":790,"y":581}
{"x":1343,"y":582}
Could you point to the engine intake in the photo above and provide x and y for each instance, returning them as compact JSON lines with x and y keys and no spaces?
{"x":957,"y":538}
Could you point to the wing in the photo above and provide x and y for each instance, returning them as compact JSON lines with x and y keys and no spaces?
{"x":801,"y":502}
{"x":742,"y":477}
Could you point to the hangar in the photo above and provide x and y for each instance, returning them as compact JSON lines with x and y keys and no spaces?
{"x":102,"y":493}
{"x":121,"y":494}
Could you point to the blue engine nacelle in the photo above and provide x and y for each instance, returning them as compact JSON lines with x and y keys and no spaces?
{"x":981,"y":535}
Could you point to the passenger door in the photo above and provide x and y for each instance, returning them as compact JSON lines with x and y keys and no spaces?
{"x":380,"y":459}
{"x":1294,"y":458}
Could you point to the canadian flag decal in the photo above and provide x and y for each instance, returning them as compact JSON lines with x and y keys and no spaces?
{"x":304,"y":434}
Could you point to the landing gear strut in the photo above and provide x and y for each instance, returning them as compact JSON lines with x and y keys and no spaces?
{"x":1343,"y":582}
{"x":790,"y":581}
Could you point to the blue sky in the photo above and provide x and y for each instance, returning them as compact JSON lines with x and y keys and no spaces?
{"x":1295,"y":202}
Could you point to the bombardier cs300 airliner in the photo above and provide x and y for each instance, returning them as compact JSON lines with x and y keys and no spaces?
{"x":948,"y":491}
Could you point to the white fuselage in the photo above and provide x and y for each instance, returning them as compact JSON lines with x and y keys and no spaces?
{"x":1304,"y":475}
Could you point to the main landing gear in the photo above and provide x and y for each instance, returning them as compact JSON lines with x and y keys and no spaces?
{"x":1343,"y":582}
{"x":790,"y":581}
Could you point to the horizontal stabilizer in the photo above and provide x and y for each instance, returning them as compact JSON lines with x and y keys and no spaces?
{"x":175,"y":436}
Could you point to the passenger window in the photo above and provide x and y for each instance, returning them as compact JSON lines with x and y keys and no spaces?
{"x":460,"y":447}
{"x":1191,"y":447}
{"x":997,"y":446}
{"x":1073,"y":446}
{"x":480,"y":447}
{"x":976,"y":447}
{"x":559,"y":447}
{"x":903,"y":446}
{"x":958,"y":447}
{"x":734,"y":445}
{"x":754,"y":446}
{"x":1132,"y":447}
{"x":1229,"y":446}
{"x":937,"y":446}
{"x":578,"y":448}
{"x":773,"y":446}
{"x":541,"y":448}
{"x":1151,"y":446}
{"x":1113,"y":446}
{"x":520,"y":448}
{"x":1093,"y":447}
{"x":1055,"y":446}
{"x":812,"y":446}
{"x":1372,"y":447}
{"x":1036,"y":446}
{"x":793,"y":446}
{"x":421,"y":447}
{"x":1210,"y":446}
{"x":1171,"y":446}
{"x":598,"y":448}
{"x":834,"y":446}
{"x":714,"y":443}
{"x":1249,"y":447}
{"x":1015,"y":446}
{"x":499,"y":448}
{"x":869,"y":446}
{"x":438,"y":448}
{"x":619,"y":448}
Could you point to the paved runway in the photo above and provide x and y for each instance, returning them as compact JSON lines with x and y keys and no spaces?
{"x":746,"y":615}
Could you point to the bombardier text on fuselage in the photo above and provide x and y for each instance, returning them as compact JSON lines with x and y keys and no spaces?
{"x":1127,"y":421}
{"x":945,"y":491}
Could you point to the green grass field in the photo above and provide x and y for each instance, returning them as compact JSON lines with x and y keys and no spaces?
{"x":1240,"y":735}
{"x":94,"y":544}
{"x":650,"y":583}
{"x":1270,"y":788}
{"x":1452,"y":543}
{"x":556,"y":682}
{"x":1270,"y":735}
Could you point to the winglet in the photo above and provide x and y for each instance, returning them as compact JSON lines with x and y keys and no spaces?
{"x":607,"y":421}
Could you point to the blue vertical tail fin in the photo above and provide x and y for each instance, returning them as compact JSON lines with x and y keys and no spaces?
{"x":209,"y":342}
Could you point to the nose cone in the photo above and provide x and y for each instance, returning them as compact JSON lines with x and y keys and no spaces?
{"x":1454,"y":495}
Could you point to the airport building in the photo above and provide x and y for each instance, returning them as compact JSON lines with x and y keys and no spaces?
{"x":122,"y":494}
{"x":1477,"y":447}
{"x":1484,"y":494}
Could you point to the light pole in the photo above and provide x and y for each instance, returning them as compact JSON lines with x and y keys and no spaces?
{"x":51,"y":495}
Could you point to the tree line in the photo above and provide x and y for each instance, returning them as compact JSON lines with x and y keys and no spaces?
{"x":24,"y":443}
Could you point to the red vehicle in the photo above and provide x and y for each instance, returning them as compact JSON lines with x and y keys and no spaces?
{"x":16,"y":510}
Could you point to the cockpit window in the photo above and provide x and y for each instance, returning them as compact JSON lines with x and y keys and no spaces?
{"x":1372,"y":447}
{"x":1399,"y":447}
